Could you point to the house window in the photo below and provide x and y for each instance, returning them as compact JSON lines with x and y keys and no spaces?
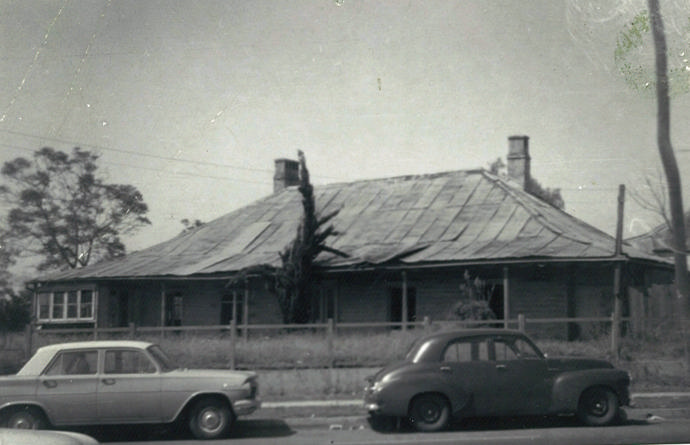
{"x":232,"y":306}
{"x":174,"y":305}
{"x":396,"y":304}
{"x":70,"y":305}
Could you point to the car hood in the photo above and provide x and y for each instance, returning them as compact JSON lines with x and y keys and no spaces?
{"x":237,"y":377}
{"x":33,"y":437}
{"x":387,"y":370}
{"x":576,"y":363}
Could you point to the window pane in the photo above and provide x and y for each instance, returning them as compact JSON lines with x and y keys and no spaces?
{"x":86,"y":307}
{"x":458,"y":352}
{"x":72,"y":304}
{"x":59,"y":305}
{"x":43,"y":306}
{"x":74,"y":363}
{"x":128,"y":362}
{"x":504,"y":352}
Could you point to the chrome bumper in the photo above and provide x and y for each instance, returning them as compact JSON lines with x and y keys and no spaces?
{"x":245,"y":406}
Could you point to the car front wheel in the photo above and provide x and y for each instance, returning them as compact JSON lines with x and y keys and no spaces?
{"x":598,"y":406}
{"x":210,"y":419}
{"x":429,"y":412}
{"x":27,"y":418}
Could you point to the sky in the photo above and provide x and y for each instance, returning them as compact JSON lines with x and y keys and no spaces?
{"x":192,"y":101}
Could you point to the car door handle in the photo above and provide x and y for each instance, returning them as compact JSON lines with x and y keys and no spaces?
{"x":502,"y":367}
{"x":445,"y":369}
{"x":108,"y":381}
{"x":49,"y":383}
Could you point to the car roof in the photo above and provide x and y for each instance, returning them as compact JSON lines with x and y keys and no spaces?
{"x":45,"y":354}
{"x":471,"y":332}
{"x":97,"y":344}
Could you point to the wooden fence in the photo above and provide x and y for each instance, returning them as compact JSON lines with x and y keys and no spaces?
{"x":36,"y":336}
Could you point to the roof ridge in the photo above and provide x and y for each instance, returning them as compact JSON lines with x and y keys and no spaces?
{"x":472,"y":171}
{"x":544,"y":221}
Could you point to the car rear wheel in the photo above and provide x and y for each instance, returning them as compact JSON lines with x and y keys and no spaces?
{"x":210,"y":419}
{"x":598,"y":406}
{"x":429,"y":412}
{"x":27,"y":418}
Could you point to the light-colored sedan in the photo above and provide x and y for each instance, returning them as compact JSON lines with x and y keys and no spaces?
{"x":123,"y":382}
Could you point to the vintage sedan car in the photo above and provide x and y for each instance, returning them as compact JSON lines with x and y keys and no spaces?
{"x":492,"y":372}
{"x":123,"y":382}
{"x":32,"y":437}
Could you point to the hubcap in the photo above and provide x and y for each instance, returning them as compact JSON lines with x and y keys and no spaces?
{"x":429,"y":412}
{"x":22,"y":423}
{"x":210,"y":419}
{"x":598,"y":407}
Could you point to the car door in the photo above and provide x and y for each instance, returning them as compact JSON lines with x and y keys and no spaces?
{"x":129,"y":387}
{"x":67,"y":387}
{"x":519,"y":377}
{"x":465,"y":368}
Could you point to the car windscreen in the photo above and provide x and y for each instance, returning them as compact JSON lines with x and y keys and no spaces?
{"x":165,"y":363}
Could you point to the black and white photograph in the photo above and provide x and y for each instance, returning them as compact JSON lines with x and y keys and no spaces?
{"x":344,"y":222}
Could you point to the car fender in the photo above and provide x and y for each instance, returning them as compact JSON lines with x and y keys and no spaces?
{"x":398,"y":396}
{"x":189,"y":401}
{"x":568,"y":386}
{"x":7,"y":407}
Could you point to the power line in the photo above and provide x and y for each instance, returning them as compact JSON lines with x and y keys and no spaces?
{"x":159,"y":170}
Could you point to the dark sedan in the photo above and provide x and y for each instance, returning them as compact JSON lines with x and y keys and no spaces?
{"x":493,"y":372}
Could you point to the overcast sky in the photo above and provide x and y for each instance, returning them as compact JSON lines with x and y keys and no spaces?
{"x":191,"y":101}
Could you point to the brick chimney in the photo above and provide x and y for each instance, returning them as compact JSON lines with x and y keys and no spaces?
{"x":286,"y":174}
{"x":518,"y":159}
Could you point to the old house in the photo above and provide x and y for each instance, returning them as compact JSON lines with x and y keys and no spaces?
{"x":410,"y":242}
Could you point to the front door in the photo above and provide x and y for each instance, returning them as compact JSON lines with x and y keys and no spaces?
{"x":129,"y":388}
{"x":67,"y":388}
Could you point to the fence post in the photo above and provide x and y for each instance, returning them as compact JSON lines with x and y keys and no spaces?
{"x":614,"y":336}
{"x":329,"y":340}
{"x":28,"y":339}
{"x":132,"y":330}
{"x":521,"y":322}
{"x":233,"y":330}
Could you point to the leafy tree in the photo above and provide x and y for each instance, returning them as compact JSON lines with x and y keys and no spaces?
{"x":551,"y":196}
{"x":293,"y":279}
{"x":62,"y":211}
{"x":473,"y":303}
{"x":15,"y":311}
{"x":189,"y":225}
{"x":291,"y":282}
{"x":634,"y":56}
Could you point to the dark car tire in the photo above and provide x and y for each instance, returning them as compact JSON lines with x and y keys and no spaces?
{"x":429,"y":412}
{"x":598,"y":406}
{"x":27,"y":417}
{"x":210,"y":418}
{"x":381,"y":423}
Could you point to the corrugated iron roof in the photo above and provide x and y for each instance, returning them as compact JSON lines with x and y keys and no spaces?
{"x":459,"y":216}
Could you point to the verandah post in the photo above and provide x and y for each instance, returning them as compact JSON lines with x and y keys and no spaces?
{"x":233,"y":339}
{"x":329,"y":339}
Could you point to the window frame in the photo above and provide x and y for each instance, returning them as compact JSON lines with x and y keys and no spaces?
{"x":57,"y":307}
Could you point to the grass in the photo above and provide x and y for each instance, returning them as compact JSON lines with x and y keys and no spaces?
{"x":297,"y":364}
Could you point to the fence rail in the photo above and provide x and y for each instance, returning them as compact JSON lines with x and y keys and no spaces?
{"x":330,"y":329}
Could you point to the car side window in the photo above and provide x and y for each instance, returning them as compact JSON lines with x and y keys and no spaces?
{"x":465,"y":351}
{"x":73,"y":363}
{"x":525,"y":349}
{"x":505,"y":350}
{"x":128,"y":362}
